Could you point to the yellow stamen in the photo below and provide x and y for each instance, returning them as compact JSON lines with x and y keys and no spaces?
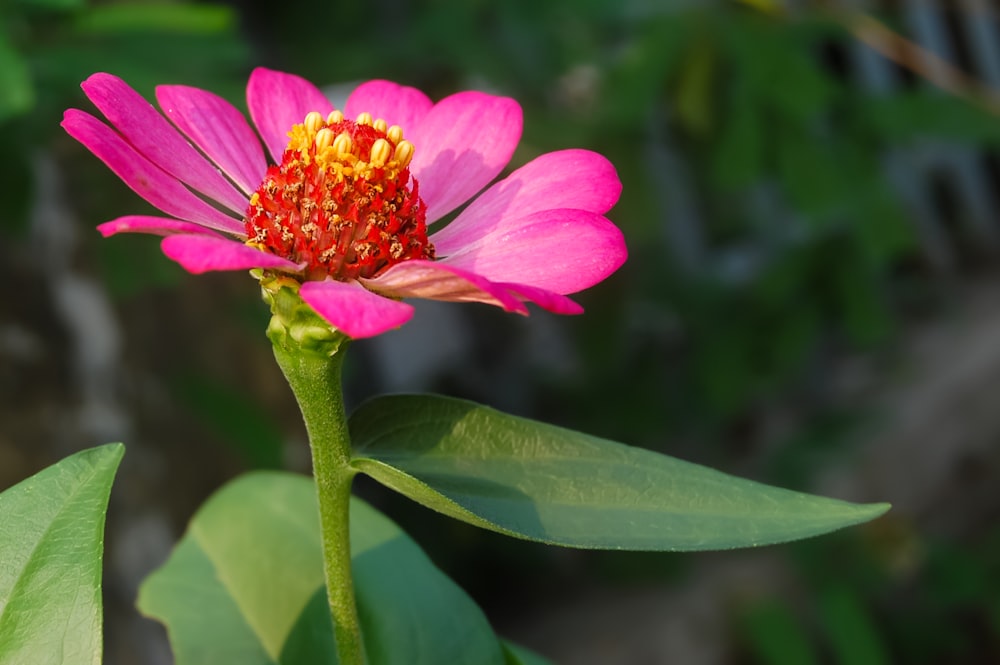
{"x":364,"y":118}
{"x":404,"y":153}
{"x":343,"y":145}
{"x":324,"y":139}
{"x":381,"y":151}
{"x":334,"y":117}
{"x":395,"y":134}
{"x":380,"y":125}
{"x":313,"y":122}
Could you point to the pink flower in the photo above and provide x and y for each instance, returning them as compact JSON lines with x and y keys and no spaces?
{"x":345,"y":206}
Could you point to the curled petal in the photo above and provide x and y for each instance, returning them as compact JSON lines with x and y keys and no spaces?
{"x":547,"y":300}
{"x":578,"y":179}
{"x":462,"y":143}
{"x":157,"y":140}
{"x":436,"y":281}
{"x":160,"y":226}
{"x":201,"y":253}
{"x":396,"y":104}
{"x":219,"y":129}
{"x":354,"y":310}
{"x":277,"y":101}
{"x":145,"y":178}
{"x":563,"y":251}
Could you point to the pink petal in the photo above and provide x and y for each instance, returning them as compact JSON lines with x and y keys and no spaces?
{"x":396,"y":104}
{"x":578,"y":179}
{"x":547,"y":300}
{"x":157,"y":140}
{"x":563,"y":251}
{"x":354,"y":310}
{"x":277,"y":101}
{"x":160,"y":226}
{"x":219,"y":130}
{"x":201,"y":253}
{"x":436,"y":281}
{"x":461,"y":144}
{"x":145,"y":178}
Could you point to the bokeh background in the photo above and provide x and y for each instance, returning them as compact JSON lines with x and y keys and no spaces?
{"x":812,"y":300}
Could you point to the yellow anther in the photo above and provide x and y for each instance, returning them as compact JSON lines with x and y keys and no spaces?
{"x":380,"y":125}
{"x":364,"y":118}
{"x":404,"y":153}
{"x":313,"y":122}
{"x":381,"y":151}
{"x":395,"y":134}
{"x":343,"y":145}
{"x":334,"y":117}
{"x":324,"y":139}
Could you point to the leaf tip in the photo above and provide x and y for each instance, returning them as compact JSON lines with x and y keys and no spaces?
{"x":875,"y":510}
{"x":109,"y":453}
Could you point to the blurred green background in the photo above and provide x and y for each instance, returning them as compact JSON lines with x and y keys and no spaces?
{"x":810,"y":301}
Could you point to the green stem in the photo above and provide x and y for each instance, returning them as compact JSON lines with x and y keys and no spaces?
{"x":315,"y":380}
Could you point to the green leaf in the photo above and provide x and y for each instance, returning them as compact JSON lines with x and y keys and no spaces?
{"x":50,"y":576}
{"x":245,"y":586}
{"x":544,"y":483}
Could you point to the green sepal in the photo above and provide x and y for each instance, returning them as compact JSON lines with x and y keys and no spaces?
{"x":294,"y":324}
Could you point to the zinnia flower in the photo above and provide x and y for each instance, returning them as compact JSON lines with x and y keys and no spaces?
{"x":344,"y":208}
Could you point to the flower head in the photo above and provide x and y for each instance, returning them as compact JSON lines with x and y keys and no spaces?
{"x":344,"y":209}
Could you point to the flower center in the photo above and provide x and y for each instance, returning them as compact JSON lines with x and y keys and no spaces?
{"x":341,"y":201}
